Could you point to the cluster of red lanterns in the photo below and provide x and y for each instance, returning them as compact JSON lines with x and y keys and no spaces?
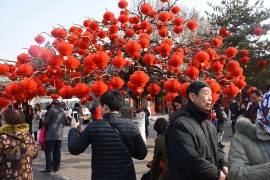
{"x":121,"y":44}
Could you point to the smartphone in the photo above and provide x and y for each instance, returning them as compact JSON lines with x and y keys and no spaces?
{"x":75,"y":115}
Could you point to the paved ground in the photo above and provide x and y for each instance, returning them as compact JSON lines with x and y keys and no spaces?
{"x":79,"y":167}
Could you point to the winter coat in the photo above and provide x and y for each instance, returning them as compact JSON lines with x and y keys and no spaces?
{"x":147,"y":114}
{"x":249,"y":155}
{"x":28,"y":118}
{"x":159,"y":154}
{"x":96,"y":112}
{"x":54,"y":122}
{"x":220,"y":117}
{"x":111,"y":156}
{"x":36,"y":120}
{"x":192,"y":146}
{"x":234,"y":108}
{"x":17,"y":150}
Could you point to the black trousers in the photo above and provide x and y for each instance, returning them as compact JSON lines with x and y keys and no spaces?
{"x":146,"y":131}
{"x":35,"y":136}
{"x":53,"y":154}
{"x":233,"y":126}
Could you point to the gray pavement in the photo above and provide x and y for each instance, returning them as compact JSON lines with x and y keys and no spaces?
{"x":79,"y":167}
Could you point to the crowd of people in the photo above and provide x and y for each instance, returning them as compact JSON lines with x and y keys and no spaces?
{"x":188,"y":144}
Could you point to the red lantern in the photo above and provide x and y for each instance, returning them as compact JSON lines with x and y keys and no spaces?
{"x":183,"y":89}
{"x":172,"y":85}
{"x":149,"y":59}
{"x":176,"y":60}
{"x":149,"y":98}
{"x":13,"y":88}
{"x":139,"y":78}
{"x":202,"y":56}
{"x":262,"y":63}
{"x":81,"y":90}
{"x":192,"y":72}
{"x":215,"y":87}
{"x":29,"y":85}
{"x":123,"y":92}
{"x":232,"y":66}
{"x":41,"y":91}
{"x":25,"y":70}
{"x":153,"y":88}
{"x":64,"y":48}
{"x":66,"y":92}
{"x":119,"y":62}
{"x":241,"y":84}
{"x":117,"y":83}
{"x":258,"y":31}
{"x":4,"y":102}
{"x":216,"y":67}
{"x":101,"y":59}
{"x":99,"y":88}
{"x":54,"y":96}
{"x":4,"y":68}
{"x":230,"y":52}
{"x":231,"y":90}
{"x":192,"y":25}
{"x":170,"y":96}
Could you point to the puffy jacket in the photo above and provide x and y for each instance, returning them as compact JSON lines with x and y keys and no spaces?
{"x":17,"y":151}
{"x":111,"y":157}
{"x":192,"y":146}
{"x":249,"y":155}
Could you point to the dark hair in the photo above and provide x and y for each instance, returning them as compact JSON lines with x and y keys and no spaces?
{"x":38,"y":107}
{"x":257,"y":92}
{"x":13,"y":117}
{"x":161,"y":125}
{"x":195,"y":87}
{"x":268,"y":87}
{"x":56,"y":102}
{"x":77,"y":105}
{"x":178,"y":99}
{"x":113,"y":99}
{"x":219,"y":101}
{"x":48,"y":107}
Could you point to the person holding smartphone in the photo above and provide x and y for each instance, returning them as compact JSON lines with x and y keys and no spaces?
{"x":114,"y":141}
{"x":77,"y":115}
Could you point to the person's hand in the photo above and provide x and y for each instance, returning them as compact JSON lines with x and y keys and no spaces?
{"x":221,"y":176}
{"x":225,"y":170}
{"x":73,"y":123}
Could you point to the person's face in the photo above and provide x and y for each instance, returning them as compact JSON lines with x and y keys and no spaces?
{"x":243,"y":106}
{"x":203,"y":99}
{"x":255,"y":99}
{"x":177,"y":105}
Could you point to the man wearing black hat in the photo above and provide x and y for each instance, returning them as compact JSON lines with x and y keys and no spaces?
{"x":54,"y":123}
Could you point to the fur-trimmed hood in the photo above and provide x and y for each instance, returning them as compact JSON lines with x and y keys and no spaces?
{"x":254,"y":131}
{"x":13,"y":129}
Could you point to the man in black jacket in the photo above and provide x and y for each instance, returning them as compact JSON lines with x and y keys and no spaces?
{"x":234,"y":108}
{"x":114,"y":141}
{"x":191,"y":139}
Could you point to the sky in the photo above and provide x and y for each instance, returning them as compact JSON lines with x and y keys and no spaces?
{"x":22,"y":20}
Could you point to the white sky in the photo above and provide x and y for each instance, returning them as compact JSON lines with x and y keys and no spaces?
{"x":22,"y":20}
